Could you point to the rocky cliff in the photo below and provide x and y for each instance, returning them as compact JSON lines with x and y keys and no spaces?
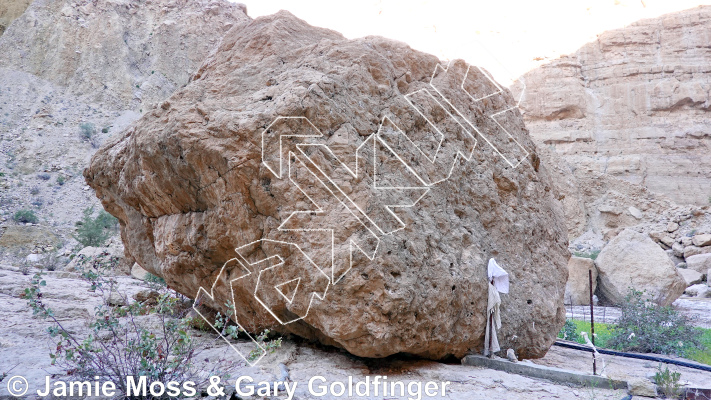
{"x":634,"y":104}
{"x":322,"y":185}
{"x":73,"y":73}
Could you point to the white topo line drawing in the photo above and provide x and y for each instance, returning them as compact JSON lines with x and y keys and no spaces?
{"x":288,"y":297}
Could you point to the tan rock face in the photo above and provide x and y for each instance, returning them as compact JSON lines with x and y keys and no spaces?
{"x":633,"y":260}
{"x":577,"y":289}
{"x":634,"y":104}
{"x":10,"y":10}
{"x":113,"y":58}
{"x":205,"y":174}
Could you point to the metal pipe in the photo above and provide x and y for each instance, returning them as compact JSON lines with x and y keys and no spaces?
{"x":576,"y":346}
{"x":592,"y":321}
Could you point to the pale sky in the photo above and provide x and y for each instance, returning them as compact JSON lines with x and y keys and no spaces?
{"x":504,"y":36}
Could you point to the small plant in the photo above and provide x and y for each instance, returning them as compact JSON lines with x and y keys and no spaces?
{"x":569,"y":331}
{"x":591,"y":255}
{"x":668,"y":382}
{"x":87,"y":130}
{"x":25,"y":216}
{"x":120,"y":344}
{"x":232,"y":331}
{"x":155,"y":282}
{"x":95,"y":231}
{"x":24,"y":267}
{"x":105,"y":129}
{"x":61,"y":180}
{"x":50,"y":261}
{"x":648,"y":328}
{"x":44,"y":176}
{"x":35,"y":190}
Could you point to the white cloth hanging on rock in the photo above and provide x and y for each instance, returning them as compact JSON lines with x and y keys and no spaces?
{"x":500,"y":279}
{"x":492,"y":316}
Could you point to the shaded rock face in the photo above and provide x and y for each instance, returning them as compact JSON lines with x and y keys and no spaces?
{"x":207,"y":188}
{"x":633,"y":260}
{"x":634,"y":104}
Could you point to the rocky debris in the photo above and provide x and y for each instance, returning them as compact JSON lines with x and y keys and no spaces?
{"x":698,"y":290}
{"x":189,"y":186}
{"x":147,"y":296}
{"x":633,"y":260}
{"x":640,"y":117}
{"x":690,"y":276}
{"x":699,"y":263}
{"x":690,"y":251}
{"x":577,"y":289}
{"x":641,"y":387}
{"x":701,"y":240}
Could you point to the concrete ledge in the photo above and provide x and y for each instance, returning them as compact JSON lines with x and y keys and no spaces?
{"x":531,"y":370}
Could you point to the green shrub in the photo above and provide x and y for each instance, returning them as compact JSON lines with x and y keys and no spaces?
{"x":119,"y":343}
{"x":668,"y":382}
{"x":569,"y":331}
{"x":61,"y":180}
{"x":648,"y":328}
{"x":25,"y":216}
{"x":95,"y":231}
{"x":87,"y":130}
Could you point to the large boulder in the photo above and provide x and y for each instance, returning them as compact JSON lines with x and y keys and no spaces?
{"x":633,"y":260}
{"x":699,"y":263}
{"x":577,"y":290}
{"x":269,"y":181}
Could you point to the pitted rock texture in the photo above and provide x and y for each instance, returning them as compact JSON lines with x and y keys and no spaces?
{"x":189,"y":187}
{"x":634,"y":104}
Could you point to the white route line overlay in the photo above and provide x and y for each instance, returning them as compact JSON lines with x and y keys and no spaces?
{"x":376,"y":138}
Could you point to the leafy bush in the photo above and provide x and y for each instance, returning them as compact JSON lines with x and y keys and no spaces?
{"x":44,"y":176}
{"x":120,"y":344}
{"x":35,"y":190}
{"x":668,"y":382}
{"x":648,"y":328}
{"x":61,"y":180}
{"x":25,"y":216}
{"x":95,"y":231}
{"x":569,"y":331}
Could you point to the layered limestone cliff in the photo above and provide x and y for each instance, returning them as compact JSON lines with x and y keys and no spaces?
{"x":634,"y":104}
